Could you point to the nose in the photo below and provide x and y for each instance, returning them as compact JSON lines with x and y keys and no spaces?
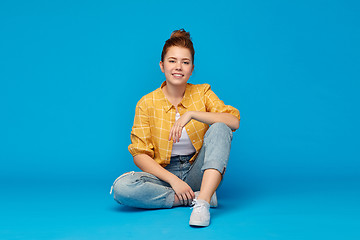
{"x":178,"y":66}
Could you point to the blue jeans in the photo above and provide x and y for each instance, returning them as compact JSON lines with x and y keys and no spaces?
{"x":144,"y":190}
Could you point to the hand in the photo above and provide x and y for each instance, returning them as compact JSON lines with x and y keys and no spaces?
{"x":176,"y":130}
{"x":183,"y":191}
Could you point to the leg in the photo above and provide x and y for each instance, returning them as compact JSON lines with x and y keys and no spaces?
{"x":207,"y":171}
{"x":209,"y":184}
{"x":215,"y":155}
{"x":143,"y":190}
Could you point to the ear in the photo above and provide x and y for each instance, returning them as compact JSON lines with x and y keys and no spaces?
{"x":161,"y":64}
{"x":192,"y":69}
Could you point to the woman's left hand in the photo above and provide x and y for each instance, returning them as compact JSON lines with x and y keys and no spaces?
{"x":176,"y":130}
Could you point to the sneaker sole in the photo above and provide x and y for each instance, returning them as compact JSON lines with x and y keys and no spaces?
{"x":199,"y":224}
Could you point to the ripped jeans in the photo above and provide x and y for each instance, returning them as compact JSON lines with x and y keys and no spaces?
{"x":144,"y":190}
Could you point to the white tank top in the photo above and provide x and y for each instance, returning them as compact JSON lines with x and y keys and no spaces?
{"x":184,"y":146}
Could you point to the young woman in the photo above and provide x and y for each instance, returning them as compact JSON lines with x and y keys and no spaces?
{"x":183,"y":159}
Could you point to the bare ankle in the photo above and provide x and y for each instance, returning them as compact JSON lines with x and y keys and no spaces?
{"x":201,"y":197}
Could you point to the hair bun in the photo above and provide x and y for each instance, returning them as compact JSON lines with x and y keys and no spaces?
{"x":178,"y":38}
{"x":181,"y":33}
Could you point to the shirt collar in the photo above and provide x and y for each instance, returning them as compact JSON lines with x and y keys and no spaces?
{"x":185,"y":102}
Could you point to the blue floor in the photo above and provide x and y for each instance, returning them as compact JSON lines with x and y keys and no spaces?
{"x":275,"y":210}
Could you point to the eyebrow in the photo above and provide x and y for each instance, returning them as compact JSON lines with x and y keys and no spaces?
{"x":182,"y":59}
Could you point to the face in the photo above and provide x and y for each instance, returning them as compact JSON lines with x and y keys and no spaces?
{"x":177,"y":65}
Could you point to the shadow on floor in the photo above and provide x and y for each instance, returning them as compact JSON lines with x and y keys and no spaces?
{"x":127,"y":209}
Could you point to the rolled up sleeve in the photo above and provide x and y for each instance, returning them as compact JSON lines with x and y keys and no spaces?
{"x":141,"y":142}
{"x":214,"y":104}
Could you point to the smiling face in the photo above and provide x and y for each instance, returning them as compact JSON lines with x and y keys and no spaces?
{"x":177,"y":65}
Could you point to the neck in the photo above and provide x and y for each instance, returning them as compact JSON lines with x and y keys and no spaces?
{"x":174,"y":93}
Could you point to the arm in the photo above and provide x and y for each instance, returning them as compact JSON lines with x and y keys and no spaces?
{"x":182,"y":190}
{"x":216,"y":111}
{"x":147,"y":164}
{"x":205,"y":117}
{"x":212,"y":117}
{"x":142,"y":149}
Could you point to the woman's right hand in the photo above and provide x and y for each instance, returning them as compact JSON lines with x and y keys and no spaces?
{"x":183,"y":191}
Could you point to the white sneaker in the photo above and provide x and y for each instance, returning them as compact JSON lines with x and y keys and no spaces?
{"x":213,"y":200}
{"x":200,"y":215}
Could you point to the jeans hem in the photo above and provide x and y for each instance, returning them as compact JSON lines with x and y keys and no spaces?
{"x":214,"y":165}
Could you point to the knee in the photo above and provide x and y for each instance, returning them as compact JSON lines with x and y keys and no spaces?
{"x":220,"y":125}
{"x":123,"y":188}
{"x":219,"y":129}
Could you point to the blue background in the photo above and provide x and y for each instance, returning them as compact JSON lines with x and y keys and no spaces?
{"x":71,"y":73}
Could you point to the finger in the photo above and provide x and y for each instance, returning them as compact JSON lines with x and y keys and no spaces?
{"x":175,"y":134}
{"x":173,"y":137}
{"x":170,"y":134}
{"x":189,"y":197}
{"x":192,"y":194}
{"x":186,"y":201}
{"x":181,"y":200}
{"x":179,"y":132}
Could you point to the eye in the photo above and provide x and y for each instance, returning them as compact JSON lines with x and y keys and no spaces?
{"x":187,"y":62}
{"x":172,"y":61}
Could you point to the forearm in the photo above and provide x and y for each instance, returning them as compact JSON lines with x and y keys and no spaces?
{"x":212,"y":117}
{"x":182,"y":190}
{"x":147,"y":164}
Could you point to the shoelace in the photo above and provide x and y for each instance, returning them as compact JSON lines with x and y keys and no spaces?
{"x":196,"y":205}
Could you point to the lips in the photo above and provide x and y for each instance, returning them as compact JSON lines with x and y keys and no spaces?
{"x":178,"y":75}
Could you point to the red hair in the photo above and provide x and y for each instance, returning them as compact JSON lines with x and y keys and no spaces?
{"x":179,"y":38}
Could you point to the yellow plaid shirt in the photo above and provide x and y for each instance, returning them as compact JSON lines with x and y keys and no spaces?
{"x":155,"y":115}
